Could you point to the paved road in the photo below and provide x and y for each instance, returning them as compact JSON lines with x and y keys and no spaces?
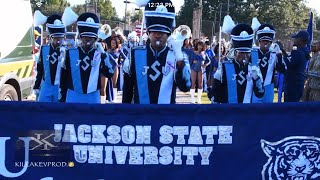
{"x":182,"y":98}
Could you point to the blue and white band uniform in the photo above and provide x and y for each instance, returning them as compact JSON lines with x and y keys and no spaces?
{"x":268,"y":63}
{"x":81,"y":73}
{"x":232,"y":86}
{"x":49,"y":72}
{"x":153,"y":76}
{"x":233,"y":83}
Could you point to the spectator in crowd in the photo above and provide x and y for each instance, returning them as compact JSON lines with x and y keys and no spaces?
{"x":312,"y":86}
{"x":295,"y":74}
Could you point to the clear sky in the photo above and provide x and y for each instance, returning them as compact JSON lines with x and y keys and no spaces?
{"x":120,"y":6}
{"x":315,"y":4}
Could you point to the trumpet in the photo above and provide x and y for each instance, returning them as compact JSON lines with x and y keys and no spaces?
{"x":104,"y":32}
{"x":182,"y":32}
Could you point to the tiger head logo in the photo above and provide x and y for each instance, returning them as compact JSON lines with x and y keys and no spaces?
{"x":293,"y":158}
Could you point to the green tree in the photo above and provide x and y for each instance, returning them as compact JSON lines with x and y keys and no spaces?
{"x":287,"y":16}
{"x":49,"y":7}
{"x":107,"y":12}
{"x":136,"y":16}
{"x":79,"y":9}
{"x":186,"y":13}
{"x":127,"y":17}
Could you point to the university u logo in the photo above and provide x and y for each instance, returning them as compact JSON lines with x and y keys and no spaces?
{"x":3,"y":170}
{"x":294,"y":158}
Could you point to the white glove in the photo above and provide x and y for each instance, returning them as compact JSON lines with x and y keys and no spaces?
{"x":176,"y":47}
{"x":276,"y":49}
{"x":255,"y":73}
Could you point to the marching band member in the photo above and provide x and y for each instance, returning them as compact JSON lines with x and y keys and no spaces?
{"x":114,"y":52}
{"x":50,"y":59}
{"x":80,"y":81}
{"x":104,"y":34}
{"x":269,"y":60}
{"x":133,"y":39}
{"x":155,"y":69}
{"x":236,"y":79}
{"x":199,"y":62}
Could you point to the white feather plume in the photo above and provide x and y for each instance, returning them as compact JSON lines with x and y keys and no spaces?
{"x":69,"y":17}
{"x":39,"y":18}
{"x":141,"y":3}
{"x":255,"y":24}
{"x":228,"y":24}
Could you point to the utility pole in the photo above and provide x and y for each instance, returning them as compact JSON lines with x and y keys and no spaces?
{"x":220,"y":24}
{"x":96,"y":9}
{"x":87,"y":4}
{"x":139,"y":16}
{"x":215,"y":21}
{"x":201,"y":9}
{"x":196,"y":21}
{"x":125,"y":12}
{"x":228,"y":7}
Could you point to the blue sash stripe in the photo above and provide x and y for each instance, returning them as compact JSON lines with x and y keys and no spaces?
{"x":142,"y":80}
{"x":280,"y":86}
{"x":46,"y":63}
{"x":254,"y":57}
{"x":231,"y":84}
{"x":75,"y":70}
{"x":268,"y":93}
{"x":267,"y":97}
{"x":76,"y":97}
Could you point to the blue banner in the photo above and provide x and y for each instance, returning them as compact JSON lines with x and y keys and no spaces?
{"x":77,"y":141}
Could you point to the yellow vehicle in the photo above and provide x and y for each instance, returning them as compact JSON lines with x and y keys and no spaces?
{"x":16,"y":42}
